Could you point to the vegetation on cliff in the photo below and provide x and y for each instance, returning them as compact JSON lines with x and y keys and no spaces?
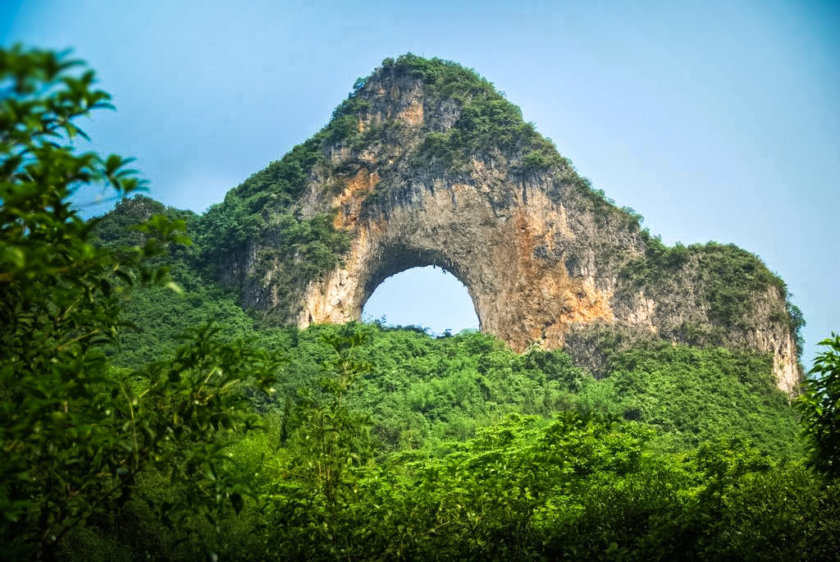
{"x":487,"y":121}
{"x":731,"y":279}
{"x":261,"y":210}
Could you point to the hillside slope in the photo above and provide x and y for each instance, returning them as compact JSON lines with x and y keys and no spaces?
{"x":421,"y":391}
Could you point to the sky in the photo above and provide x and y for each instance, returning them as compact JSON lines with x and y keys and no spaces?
{"x":716,"y":120}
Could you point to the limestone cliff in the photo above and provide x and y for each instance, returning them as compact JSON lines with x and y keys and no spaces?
{"x":426,"y":164}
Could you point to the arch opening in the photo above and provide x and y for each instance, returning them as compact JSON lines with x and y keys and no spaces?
{"x":428,"y":297}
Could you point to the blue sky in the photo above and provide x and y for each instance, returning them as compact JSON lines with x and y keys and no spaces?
{"x":715,"y":120}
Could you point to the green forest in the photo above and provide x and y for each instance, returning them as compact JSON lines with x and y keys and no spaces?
{"x":144,"y":415}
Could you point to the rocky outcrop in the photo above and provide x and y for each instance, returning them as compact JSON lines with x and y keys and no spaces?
{"x":426,"y":164}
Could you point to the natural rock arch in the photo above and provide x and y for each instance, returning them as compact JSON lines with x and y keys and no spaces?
{"x":426,"y":164}
{"x":495,"y":252}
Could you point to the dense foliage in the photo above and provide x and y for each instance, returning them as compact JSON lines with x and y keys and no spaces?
{"x":820,"y":408}
{"x":77,"y":435}
{"x":133,"y":429}
{"x":577,"y":486}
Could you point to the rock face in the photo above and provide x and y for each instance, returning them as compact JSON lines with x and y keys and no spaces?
{"x":426,"y":164}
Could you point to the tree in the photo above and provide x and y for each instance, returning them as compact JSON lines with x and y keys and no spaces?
{"x":329,"y":451}
{"x":820,"y":408}
{"x":75,"y":432}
